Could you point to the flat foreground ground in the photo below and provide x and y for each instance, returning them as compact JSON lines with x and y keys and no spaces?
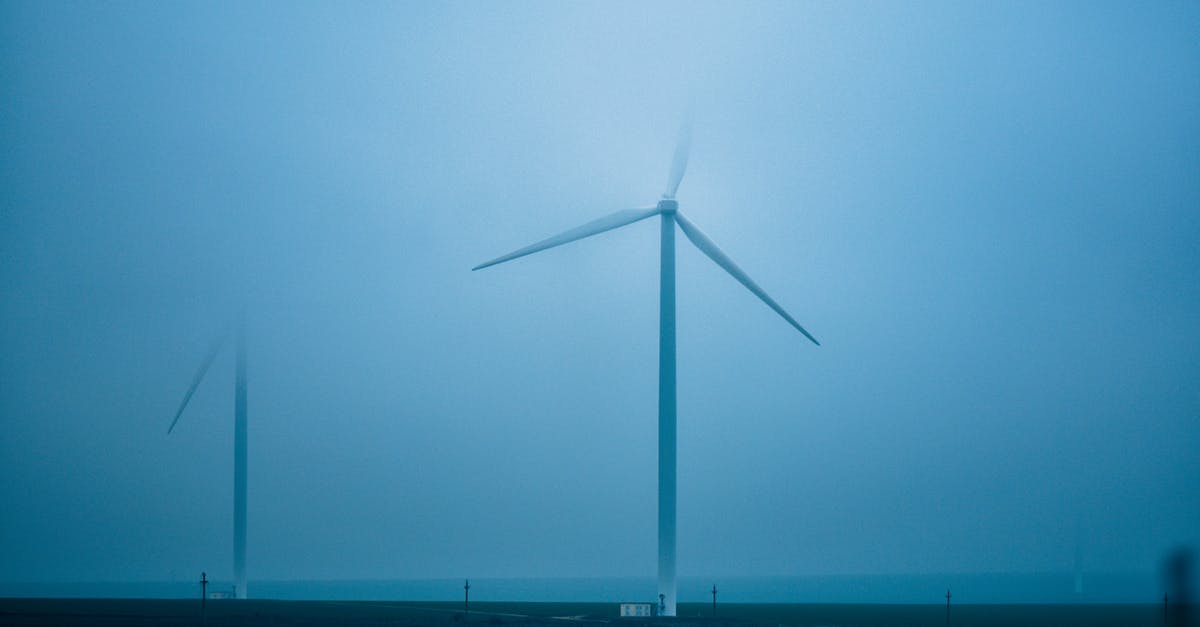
{"x":231,"y":613}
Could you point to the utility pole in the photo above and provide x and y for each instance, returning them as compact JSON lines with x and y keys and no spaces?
{"x":203,"y":598}
{"x":947,"y":606}
{"x":467,"y":596}
{"x":714,"y":592}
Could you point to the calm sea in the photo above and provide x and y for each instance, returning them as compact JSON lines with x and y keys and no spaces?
{"x":969,"y":588}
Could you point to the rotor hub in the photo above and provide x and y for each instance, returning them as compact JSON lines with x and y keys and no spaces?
{"x":668,"y":205}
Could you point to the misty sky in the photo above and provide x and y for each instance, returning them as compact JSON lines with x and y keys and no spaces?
{"x":988,"y":213}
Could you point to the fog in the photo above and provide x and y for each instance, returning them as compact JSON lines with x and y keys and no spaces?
{"x":986,"y":212}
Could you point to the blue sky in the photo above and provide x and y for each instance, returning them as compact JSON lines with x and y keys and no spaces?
{"x":987,"y":213}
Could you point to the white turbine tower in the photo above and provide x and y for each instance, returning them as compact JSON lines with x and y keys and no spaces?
{"x":239,"y":444}
{"x":668,"y":208}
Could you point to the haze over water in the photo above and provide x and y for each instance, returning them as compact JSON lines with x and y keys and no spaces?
{"x":926,"y":589}
{"x":987,"y":213}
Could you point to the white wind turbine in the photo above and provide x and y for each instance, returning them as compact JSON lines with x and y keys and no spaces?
{"x":239,"y":445}
{"x":668,"y":208}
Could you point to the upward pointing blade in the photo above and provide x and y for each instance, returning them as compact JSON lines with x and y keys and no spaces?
{"x":679,"y":164}
{"x":707,"y":247}
{"x":208,"y":359}
{"x":607,"y":223}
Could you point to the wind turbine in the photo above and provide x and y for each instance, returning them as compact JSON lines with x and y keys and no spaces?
{"x":239,"y":443}
{"x":668,"y":208}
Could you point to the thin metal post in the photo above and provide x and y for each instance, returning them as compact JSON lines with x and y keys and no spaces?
{"x":947,"y":606}
{"x":467,"y":596}
{"x":714,"y":592}
{"x":203,"y":598}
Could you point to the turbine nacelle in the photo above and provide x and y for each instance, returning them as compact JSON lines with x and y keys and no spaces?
{"x":668,"y":205}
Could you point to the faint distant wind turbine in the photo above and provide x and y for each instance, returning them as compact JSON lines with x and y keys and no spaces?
{"x":668,"y":208}
{"x":239,"y":443}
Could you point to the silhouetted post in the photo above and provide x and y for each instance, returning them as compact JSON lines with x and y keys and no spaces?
{"x":1179,"y":571}
{"x":714,"y":591}
{"x":662,"y":603}
{"x":947,"y":606}
{"x":1166,"y":612}
{"x":467,"y":596}
{"x":203,"y":598}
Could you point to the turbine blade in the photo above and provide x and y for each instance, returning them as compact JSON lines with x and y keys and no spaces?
{"x":204,"y":365}
{"x":707,"y":247}
{"x":607,"y":223}
{"x":683,"y":148}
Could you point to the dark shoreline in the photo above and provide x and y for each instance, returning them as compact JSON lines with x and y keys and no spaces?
{"x":40,"y":612}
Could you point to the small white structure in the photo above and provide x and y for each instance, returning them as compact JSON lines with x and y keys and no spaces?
{"x":636,"y":609}
{"x":221,"y":594}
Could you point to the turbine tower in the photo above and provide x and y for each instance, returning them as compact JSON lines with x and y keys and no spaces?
{"x":239,"y":443}
{"x":668,"y":209}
